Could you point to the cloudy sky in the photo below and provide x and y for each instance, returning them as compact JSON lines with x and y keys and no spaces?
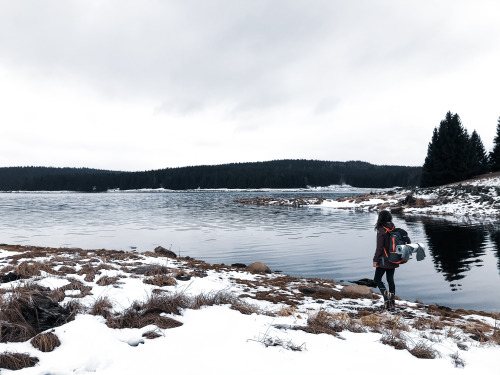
{"x":147,"y":84}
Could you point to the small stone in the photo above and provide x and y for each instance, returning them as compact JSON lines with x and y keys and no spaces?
{"x":359,"y":291}
{"x":165,"y":252}
{"x":258,"y":267}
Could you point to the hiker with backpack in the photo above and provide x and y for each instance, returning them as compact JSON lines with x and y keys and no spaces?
{"x":384,"y":227}
{"x":394,"y":247}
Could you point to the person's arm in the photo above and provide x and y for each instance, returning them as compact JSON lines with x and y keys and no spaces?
{"x":380,"y":246}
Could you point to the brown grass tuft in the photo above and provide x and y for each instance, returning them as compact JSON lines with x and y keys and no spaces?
{"x":132,"y":318}
{"x":102,"y":306}
{"x":16,"y":361}
{"x":152,"y":334}
{"x":160,"y":280}
{"x":396,"y":322}
{"x":107,"y":280}
{"x":66,"y":270}
{"x":372,"y":321}
{"x":394,"y":339}
{"x":286,"y":311}
{"x":321,"y":322}
{"x":423,"y":350}
{"x":76,"y":284}
{"x":245,"y":307}
{"x":29,"y":310}
{"x":45,"y":342}
{"x":171,"y":303}
{"x":30,"y":269}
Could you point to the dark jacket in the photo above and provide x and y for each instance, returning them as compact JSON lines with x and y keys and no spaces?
{"x":383,"y":243}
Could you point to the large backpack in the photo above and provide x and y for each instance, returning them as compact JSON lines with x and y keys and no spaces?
{"x":397,"y":236}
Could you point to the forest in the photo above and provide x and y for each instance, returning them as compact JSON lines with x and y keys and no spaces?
{"x":279,"y":174}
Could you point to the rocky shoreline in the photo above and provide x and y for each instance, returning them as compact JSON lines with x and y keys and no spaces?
{"x":478,"y":197}
{"x":149,"y":293}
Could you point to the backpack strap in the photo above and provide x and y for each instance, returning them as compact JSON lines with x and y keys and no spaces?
{"x":387,"y":230}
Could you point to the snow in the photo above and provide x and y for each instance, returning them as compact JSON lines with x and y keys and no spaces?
{"x":220,"y":340}
{"x":475,"y":199}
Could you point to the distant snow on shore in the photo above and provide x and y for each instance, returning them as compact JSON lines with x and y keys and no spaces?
{"x":331,"y":188}
{"x":473,"y":198}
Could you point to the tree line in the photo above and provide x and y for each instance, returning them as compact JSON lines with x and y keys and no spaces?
{"x":278,"y":174}
{"x":453,"y":155}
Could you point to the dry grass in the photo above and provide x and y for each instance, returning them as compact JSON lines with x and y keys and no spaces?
{"x":394,"y":339}
{"x":102,"y":306}
{"x":66,"y":270}
{"x":160,"y":280}
{"x":29,"y":310}
{"x":372,"y":322}
{"x":321,"y":322}
{"x":424,"y":351}
{"x":107,"y":280}
{"x":152,"y":334}
{"x":422,"y":323}
{"x":132,"y":318}
{"x":16,"y":361}
{"x":172,"y":303}
{"x":30,"y":269}
{"x":245,"y":307}
{"x":396,"y":322}
{"x":45,"y":342}
{"x":286,"y":311}
{"x":75,"y":284}
{"x":213,"y":298}
{"x":91,"y":271}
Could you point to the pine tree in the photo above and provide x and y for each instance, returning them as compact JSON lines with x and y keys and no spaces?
{"x":447,"y":159}
{"x":477,"y":157}
{"x":495,"y":154}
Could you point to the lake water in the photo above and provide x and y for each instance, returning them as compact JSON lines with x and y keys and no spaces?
{"x":462,"y":268}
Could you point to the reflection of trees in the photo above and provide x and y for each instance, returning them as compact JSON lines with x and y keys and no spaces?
{"x":455,"y":248}
{"x":495,"y":238}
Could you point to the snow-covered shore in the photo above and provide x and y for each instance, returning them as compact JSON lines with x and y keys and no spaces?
{"x":473,"y":198}
{"x":129,"y":313}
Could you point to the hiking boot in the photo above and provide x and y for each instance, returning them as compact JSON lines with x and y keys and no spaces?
{"x":389,"y":303}
{"x":392,"y":300}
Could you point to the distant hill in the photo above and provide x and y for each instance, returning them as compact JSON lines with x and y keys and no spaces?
{"x":269,"y":174}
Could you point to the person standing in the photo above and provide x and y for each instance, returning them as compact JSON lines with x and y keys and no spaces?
{"x":384,"y":227}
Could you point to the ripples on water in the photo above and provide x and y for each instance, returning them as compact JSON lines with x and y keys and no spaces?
{"x":461,"y":268}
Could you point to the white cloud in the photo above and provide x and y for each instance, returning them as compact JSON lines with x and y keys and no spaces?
{"x":148,"y":84}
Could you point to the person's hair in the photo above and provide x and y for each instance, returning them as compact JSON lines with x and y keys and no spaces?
{"x":384,"y":216}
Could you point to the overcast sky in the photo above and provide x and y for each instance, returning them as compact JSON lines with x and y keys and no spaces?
{"x":148,"y":84}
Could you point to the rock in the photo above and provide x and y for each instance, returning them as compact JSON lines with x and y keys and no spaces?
{"x":165,"y":252}
{"x":357,"y":291}
{"x":183,"y":277}
{"x":239,"y":265}
{"x":320,"y":292}
{"x":367,"y":282}
{"x":11,"y":276}
{"x":258,"y":267}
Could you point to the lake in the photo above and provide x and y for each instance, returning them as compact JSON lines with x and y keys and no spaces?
{"x":462,"y":268}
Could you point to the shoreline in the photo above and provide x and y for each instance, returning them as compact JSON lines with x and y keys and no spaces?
{"x":127,"y":293}
{"x":475,"y":199}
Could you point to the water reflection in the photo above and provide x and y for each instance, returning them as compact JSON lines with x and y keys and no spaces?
{"x":455,"y":249}
{"x":495,"y":239}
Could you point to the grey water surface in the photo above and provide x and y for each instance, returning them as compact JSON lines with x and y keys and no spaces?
{"x":462,"y":268}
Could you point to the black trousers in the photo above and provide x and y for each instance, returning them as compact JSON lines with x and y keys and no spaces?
{"x":389,"y":275}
